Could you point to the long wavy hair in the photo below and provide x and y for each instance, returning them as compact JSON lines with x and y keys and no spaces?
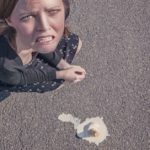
{"x":6,"y":8}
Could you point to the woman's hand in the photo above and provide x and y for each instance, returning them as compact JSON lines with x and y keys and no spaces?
{"x":63,"y":64}
{"x":73,"y":74}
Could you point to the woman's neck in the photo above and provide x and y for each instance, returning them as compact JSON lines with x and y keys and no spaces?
{"x":23,"y":52}
{"x":25,"y":56}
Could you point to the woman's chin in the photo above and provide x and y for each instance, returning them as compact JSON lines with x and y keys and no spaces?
{"x":45,"y":49}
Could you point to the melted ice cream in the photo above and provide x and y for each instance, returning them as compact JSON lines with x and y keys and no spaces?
{"x":69,"y":118}
{"x":93,"y":130}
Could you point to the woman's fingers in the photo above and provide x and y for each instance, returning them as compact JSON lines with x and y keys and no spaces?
{"x":78,"y":69}
{"x":75,"y":74}
{"x":78,"y":72}
{"x":79,"y":76}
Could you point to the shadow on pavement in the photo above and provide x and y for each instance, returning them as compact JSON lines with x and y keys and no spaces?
{"x":3,"y":95}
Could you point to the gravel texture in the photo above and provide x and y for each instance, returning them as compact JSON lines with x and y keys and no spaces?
{"x":116,"y":56}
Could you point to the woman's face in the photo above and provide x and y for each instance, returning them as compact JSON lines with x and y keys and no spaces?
{"x":39,"y":23}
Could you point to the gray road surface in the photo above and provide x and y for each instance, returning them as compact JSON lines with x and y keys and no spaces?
{"x":116,"y":55}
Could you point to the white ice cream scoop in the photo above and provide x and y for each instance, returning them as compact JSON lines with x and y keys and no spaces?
{"x":93,"y":130}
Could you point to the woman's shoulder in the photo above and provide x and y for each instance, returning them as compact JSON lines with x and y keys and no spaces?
{"x":71,"y":35}
{"x":2,"y":39}
{"x":3,"y":42}
{"x":6,"y":51}
{"x":71,"y":39}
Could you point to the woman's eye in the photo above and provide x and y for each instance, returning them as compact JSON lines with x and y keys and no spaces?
{"x":26,"y":18}
{"x":53,"y":12}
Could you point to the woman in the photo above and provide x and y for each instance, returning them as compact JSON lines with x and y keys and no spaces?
{"x":36,"y":48}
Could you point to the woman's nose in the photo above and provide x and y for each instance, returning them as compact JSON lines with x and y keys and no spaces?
{"x":43,"y":23}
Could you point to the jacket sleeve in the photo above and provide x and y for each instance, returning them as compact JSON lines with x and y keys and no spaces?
{"x":18,"y":75}
{"x":12,"y":72}
{"x":51,"y":58}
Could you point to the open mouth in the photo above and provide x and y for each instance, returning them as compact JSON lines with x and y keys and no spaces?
{"x":44,"y":39}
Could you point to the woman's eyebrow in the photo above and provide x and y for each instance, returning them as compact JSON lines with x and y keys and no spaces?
{"x":25,"y":13}
{"x":52,"y":8}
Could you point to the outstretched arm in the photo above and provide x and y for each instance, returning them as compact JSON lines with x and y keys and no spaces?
{"x":15,"y":75}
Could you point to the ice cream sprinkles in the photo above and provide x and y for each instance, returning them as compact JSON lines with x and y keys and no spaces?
{"x":93,"y":130}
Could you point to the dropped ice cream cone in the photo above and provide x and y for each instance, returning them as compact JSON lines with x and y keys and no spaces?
{"x":93,"y":130}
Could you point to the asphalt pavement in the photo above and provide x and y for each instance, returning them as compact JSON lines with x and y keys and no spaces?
{"x":116,"y":56}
